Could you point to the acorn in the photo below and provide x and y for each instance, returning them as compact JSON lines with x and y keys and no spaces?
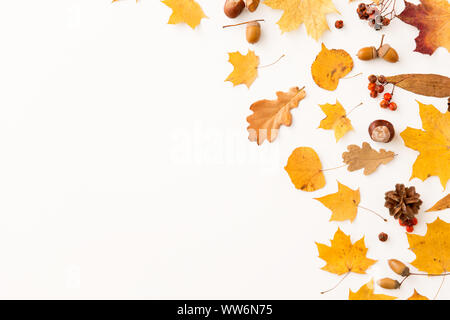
{"x":398,"y":267}
{"x":233,"y":8}
{"x":252,"y":5}
{"x":388,"y":53}
{"x":367,"y":53}
{"x":253,"y":32}
{"x":381,"y":131}
{"x":388,"y":283}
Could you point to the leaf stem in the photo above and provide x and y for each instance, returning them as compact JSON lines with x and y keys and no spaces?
{"x":241,"y":23}
{"x":337,"y":284}
{"x":376,"y":213}
{"x":352,"y":76}
{"x":440,"y":287}
{"x":351,"y":110}
{"x":268,"y":65}
{"x":328,"y":169}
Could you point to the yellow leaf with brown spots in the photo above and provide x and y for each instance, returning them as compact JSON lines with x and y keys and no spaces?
{"x":245,"y":68}
{"x":433,"y":249}
{"x":343,"y":204}
{"x":343,"y":256}
{"x":366,"y":293}
{"x":336,"y":120}
{"x":330,"y":66}
{"x":305,"y":169}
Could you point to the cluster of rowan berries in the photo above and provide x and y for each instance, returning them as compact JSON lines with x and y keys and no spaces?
{"x":376,"y":86}
{"x":371,"y":13}
{"x":409,"y":224}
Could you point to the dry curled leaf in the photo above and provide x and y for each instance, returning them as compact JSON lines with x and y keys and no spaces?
{"x":343,"y":256}
{"x":417,"y":296}
{"x":343,"y":204}
{"x":366,"y":293}
{"x":442,"y":204}
{"x":185,"y":11}
{"x":269,"y":115}
{"x":431,"y":85}
{"x":330,"y":66}
{"x":433,"y":249}
{"x":432,"y":18}
{"x":336,"y":120}
{"x":245,"y":68}
{"x":366,"y":157}
{"x":310,"y":12}
{"x":433,"y":144}
{"x":305,"y":169}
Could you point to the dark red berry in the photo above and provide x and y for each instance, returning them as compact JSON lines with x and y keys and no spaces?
{"x":384,"y":104}
{"x":339,"y":24}
{"x":414,"y":221}
{"x":393,"y":106}
{"x":387,"y":96}
{"x":401,"y":222}
{"x":373,"y":94}
{"x":383,"y":237}
{"x":410,"y":228}
{"x":386,"y":21}
{"x":372,"y":78}
{"x":372,"y":86}
{"x":382,"y":79}
{"x":380,"y":89}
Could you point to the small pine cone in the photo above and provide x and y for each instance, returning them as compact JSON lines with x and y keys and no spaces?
{"x":403,"y":203}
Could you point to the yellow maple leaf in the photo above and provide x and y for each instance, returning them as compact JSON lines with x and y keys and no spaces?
{"x":269,"y":115}
{"x":343,"y":256}
{"x":366,"y":293}
{"x":442,"y":204}
{"x":336,"y":120}
{"x":330,"y":66}
{"x":245,"y":68}
{"x":417,"y":296}
{"x":305,"y":169}
{"x":432,"y":250}
{"x":185,"y":11}
{"x":310,"y":12}
{"x":433,"y":143}
{"x":343,"y":204}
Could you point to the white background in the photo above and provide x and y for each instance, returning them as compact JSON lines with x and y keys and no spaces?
{"x":126,"y":172}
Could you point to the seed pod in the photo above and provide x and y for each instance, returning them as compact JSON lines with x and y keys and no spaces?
{"x":388,"y":283}
{"x":233,"y":8}
{"x":398,"y":267}
{"x":253,"y":32}
{"x":388,"y":53}
{"x":252,"y":5}
{"x":367,"y":53}
{"x":381,"y":131}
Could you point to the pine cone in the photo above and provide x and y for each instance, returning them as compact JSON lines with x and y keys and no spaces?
{"x":403,"y":203}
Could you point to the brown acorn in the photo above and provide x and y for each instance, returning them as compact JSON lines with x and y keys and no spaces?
{"x":388,"y":53}
{"x":233,"y":8}
{"x":253,"y":32}
{"x":388,"y":283}
{"x":252,"y":5}
{"x":367,"y":53}
{"x":398,"y":267}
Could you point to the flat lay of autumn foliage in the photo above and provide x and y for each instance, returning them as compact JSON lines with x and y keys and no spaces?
{"x":341,"y":256}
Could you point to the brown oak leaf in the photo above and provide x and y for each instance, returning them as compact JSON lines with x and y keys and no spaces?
{"x":366,"y":157}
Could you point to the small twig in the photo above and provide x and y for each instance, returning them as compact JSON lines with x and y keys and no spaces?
{"x":376,"y":213}
{"x":328,"y":169}
{"x":381,"y":43}
{"x":401,"y":282}
{"x":351,"y":110}
{"x":268,"y":65}
{"x":241,"y":23}
{"x":340,"y":281}
{"x":352,"y":76}
{"x":440,"y":287}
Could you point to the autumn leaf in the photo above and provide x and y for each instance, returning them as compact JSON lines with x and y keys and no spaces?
{"x":305,"y":169}
{"x":433,"y":143}
{"x":330,"y":66}
{"x":310,"y":12}
{"x":245,"y":68}
{"x":431,"y":85}
{"x":343,"y":204}
{"x":432,"y":18}
{"x":432,"y":250}
{"x":366,"y":157}
{"x":269,"y":115}
{"x":343,"y":256}
{"x":417,"y":296}
{"x":442,"y":204}
{"x":366,"y":293}
{"x":336,"y":120}
{"x":185,"y":11}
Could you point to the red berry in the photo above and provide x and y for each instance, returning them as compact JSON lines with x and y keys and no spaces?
{"x":401,"y":222}
{"x":372,"y":86}
{"x":372,"y":78}
{"x":387,"y":96}
{"x":339,"y":24}
{"x":393,"y":106}
{"x":380,"y":89}
{"x":386,"y":22}
{"x":414,"y":221}
{"x":373,"y":94}
{"x":384,"y":104}
{"x":410,"y":228}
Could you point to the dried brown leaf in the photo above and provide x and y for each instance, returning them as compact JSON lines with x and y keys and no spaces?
{"x":366,"y":157}
{"x":432,"y":85}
